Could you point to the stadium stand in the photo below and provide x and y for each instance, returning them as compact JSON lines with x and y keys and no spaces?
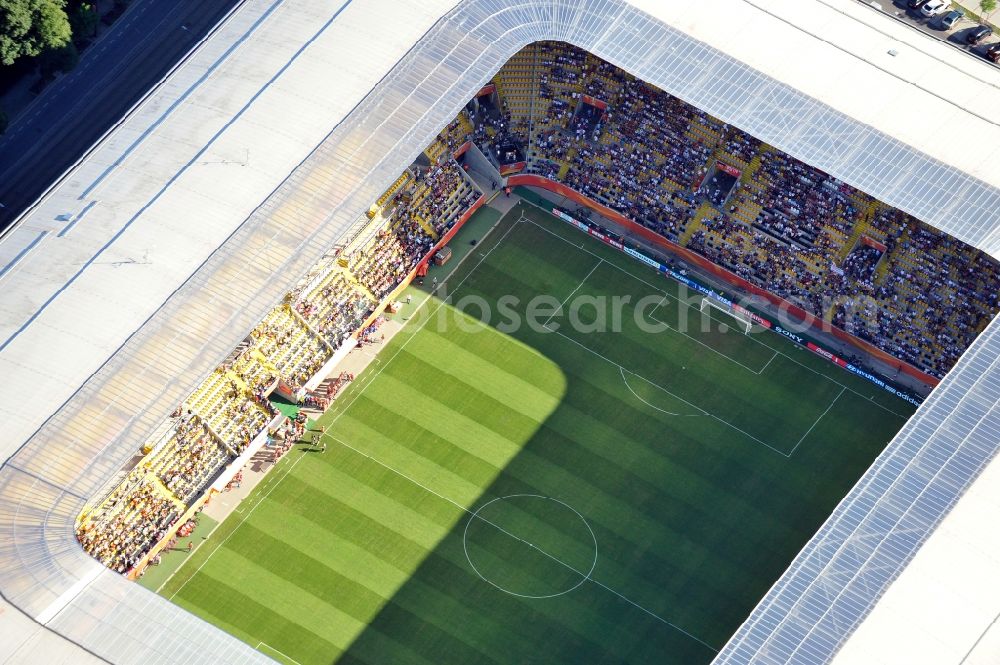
{"x":770,"y":219}
{"x":230,"y":411}
{"x":773,"y":220}
{"x":782,"y":93}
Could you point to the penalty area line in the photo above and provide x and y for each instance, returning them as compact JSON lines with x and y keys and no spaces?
{"x":692,"y":405}
{"x":761,"y":370}
{"x":752,"y":338}
{"x":710,"y":348}
{"x":572,"y":293}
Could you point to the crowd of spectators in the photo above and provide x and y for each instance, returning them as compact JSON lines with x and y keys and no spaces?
{"x":797,"y":201}
{"x":500,"y":137}
{"x":231,"y":408}
{"x":390,"y":257}
{"x":441,"y":194}
{"x":860,"y":264}
{"x":784,"y":226}
{"x":949,"y":287}
{"x":135,"y":517}
{"x":428,"y":209}
{"x":335,"y":308}
{"x":291,"y":347}
{"x":190,"y":454}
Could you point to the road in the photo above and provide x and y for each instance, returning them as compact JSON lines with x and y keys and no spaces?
{"x":932,"y":26}
{"x":113,"y":74}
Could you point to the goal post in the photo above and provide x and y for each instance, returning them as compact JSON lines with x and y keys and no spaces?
{"x":742,"y":322}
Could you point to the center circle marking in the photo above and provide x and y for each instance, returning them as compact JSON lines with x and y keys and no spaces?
{"x":584,"y":576}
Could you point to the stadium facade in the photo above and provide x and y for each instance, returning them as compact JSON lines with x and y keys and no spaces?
{"x":147,"y":262}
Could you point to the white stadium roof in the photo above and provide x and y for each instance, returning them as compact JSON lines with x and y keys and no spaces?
{"x":151,"y":259}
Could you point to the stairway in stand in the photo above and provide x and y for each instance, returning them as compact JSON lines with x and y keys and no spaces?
{"x":704,"y":210}
{"x":860,"y":228}
{"x":358,"y":285}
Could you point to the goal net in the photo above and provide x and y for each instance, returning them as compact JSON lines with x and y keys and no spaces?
{"x":742,"y":322}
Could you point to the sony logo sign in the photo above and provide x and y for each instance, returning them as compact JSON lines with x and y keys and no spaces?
{"x":789,"y":335}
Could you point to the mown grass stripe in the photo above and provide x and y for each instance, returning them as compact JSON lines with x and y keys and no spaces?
{"x":343,"y":555}
{"x":517,"y":356}
{"x":349,"y":478}
{"x":633,"y":544}
{"x":543,"y":225}
{"x":299,"y":587}
{"x":534,"y":623}
{"x":452,"y":575}
{"x":325,"y":585}
{"x":425,"y":457}
{"x":515,"y":386}
{"x":406,"y":542}
{"x":710,"y":369}
{"x":687,"y":483}
{"x":465,"y":424}
{"x":279,"y":630}
{"x":693,"y":520}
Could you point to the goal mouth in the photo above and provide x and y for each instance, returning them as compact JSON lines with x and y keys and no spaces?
{"x":741,"y":322}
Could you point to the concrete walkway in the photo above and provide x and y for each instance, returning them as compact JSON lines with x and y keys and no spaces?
{"x":973,"y":6}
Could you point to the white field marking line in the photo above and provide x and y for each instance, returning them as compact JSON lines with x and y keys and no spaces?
{"x":652,"y":406}
{"x":508,"y":533}
{"x":237,"y":528}
{"x":573,"y":292}
{"x":672,"y":625}
{"x":694,"y":406}
{"x":767,"y":363}
{"x":278,"y":652}
{"x":795,"y":447}
{"x":827,"y":377}
{"x":429,"y":316}
{"x":465,"y":546}
{"x":171,"y":575}
{"x":752,"y":338}
{"x":698,"y":341}
{"x":360,"y":391}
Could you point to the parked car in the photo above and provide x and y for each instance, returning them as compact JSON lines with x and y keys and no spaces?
{"x":977,"y":35}
{"x":915,"y":4}
{"x":951,"y":19}
{"x":935,"y":7}
{"x":993,"y":52}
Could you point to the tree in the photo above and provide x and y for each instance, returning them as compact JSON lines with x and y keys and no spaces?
{"x":986,"y":7}
{"x":61,"y":59}
{"x":28,"y":27}
{"x":83,"y":20}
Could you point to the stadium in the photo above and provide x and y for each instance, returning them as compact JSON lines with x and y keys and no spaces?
{"x":515,"y":331}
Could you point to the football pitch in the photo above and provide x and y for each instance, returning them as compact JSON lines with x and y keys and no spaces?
{"x":614,"y":480}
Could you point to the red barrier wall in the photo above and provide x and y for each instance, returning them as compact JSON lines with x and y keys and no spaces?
{"x":529,"y":180}
{"x":513,"y":167}
{"x":446,"y":238}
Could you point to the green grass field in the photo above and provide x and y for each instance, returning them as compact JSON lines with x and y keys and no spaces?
{"x":498,"y":495}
